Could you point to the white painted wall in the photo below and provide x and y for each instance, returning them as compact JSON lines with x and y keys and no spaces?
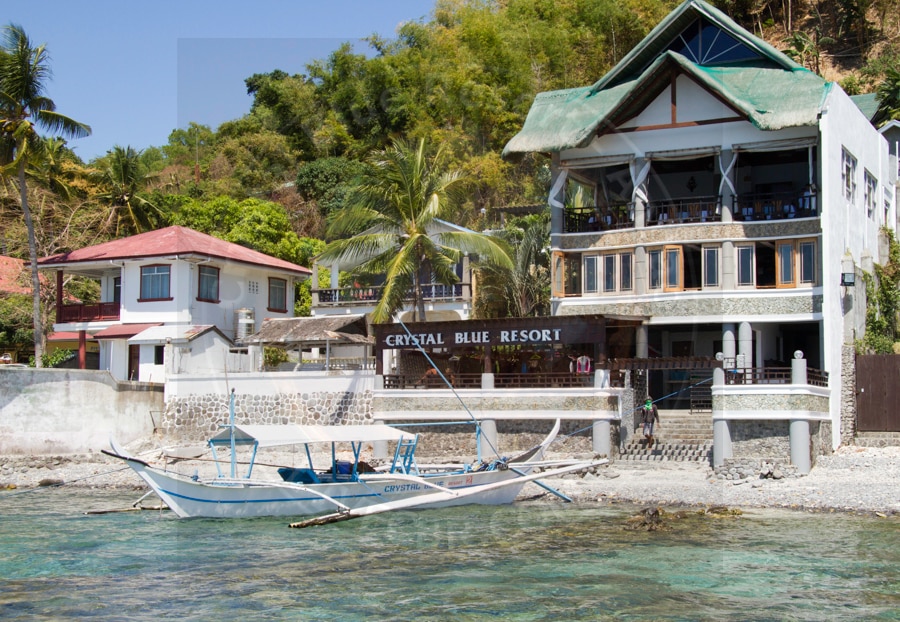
{"x":60,"y":411}
{"x":270,"y":383}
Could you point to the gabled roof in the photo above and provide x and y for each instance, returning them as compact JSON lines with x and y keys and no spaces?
{"x":307,"y":330}
{"x":170,"y":242}
{"x":766,"y":87}
{"x":867,"y":104}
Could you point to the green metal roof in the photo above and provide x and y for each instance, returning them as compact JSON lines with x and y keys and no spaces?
{"x":771,"y":91}
{"x":867,"y":103}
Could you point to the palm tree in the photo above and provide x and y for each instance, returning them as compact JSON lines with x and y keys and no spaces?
{"x":888,"y":95}
{"x":23,"y":109}
{"x":391,"y":216}
{"x":123,"y":177}
{"x":523,"y":291}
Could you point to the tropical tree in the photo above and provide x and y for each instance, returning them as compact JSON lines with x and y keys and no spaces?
{"x":523,"y":291}
{"x":391,"y":218}
{"x":888,"y":96}
{"x":123,"y":177}
{"x":24,"y":108}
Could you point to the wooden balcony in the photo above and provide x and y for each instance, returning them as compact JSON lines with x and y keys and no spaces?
{"x":587,"y":219}
{"x":95,"y":312}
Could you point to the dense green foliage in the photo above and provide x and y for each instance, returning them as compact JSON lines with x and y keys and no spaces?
{"x":463,"y":79}
{"x":883,"y":302}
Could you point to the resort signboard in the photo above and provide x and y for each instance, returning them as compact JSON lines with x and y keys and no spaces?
{"x":503,"y":332}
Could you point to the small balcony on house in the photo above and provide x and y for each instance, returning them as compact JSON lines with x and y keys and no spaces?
{"x":370,"y":295}
{"x":88,"y":312}
{"x":758,"y":206}
{"x":684,"y":210}
{"x":594,"y":218}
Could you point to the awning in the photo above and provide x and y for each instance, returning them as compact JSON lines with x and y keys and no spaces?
{"x":597,"y":161}
{"x":174,"y":332}
{"x":66,"y":336}
{"x":307,"y":330}
{"x":280,"y":435}
{"x":122,"y":331}
{"x":776,"y":145}
{"x":683,"y":154}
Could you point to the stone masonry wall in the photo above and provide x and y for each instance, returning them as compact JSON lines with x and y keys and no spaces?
{"x":848,"y":394}
{"x":194,"y":418}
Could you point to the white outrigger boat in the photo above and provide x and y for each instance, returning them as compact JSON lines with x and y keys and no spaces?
{"x":348,"y":488}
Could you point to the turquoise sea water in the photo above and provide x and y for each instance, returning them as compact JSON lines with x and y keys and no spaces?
{"x":529,"y":561}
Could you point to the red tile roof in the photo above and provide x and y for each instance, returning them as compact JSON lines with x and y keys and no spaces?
{"x":122,"y":331}
{"x":10,"y":280}
{"x":168,"y":242}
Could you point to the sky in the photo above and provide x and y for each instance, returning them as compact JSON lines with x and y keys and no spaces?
{"x":135,"y":71}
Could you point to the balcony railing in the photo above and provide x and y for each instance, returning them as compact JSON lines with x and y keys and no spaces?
{"x":418,"y":381}
{"x":371,"y":295}
{"x":775,"y":206}
{"x":773,"y":375}
{"x":586,"y":219}
{"x":88,"y":312}
{"x":684,"y":210}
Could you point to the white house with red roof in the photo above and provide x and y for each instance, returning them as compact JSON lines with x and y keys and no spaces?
{"x":175,"y":286}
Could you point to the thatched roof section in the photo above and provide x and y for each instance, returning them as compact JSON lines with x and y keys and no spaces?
{"x":312,"y":331}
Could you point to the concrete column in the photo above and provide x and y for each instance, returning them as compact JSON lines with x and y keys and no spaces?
{"x":641,"y":341}
{"x":729,"y":270}
{"x":600,"y":432}
{"x":798,"y":369}
{"x":800,"y":448}
{"x":722,"y":449}
{"x":729,"y":348}
{"x":601,"y":379}
{"x":487,"y":381}
{"x":745,"y":343}
{"x":489,"y":440}
{"x":335,"y":274}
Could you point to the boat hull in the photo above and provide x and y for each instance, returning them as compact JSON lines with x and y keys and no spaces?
{"x":223,"y":498}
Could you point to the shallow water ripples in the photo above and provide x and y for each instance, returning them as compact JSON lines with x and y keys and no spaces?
{"x":531,"y":561}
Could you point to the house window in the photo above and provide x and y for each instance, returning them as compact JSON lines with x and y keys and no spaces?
{"x":159,"y":355}
{"x":808,"y":262}
{"x":609,"y":273}
{"x":278,"y":295}
{"x":625,"y":272}
{"x":870,"y":193}
{"x":117,"y":289}
{"x":672,"y":256}
{"x":848,"y":175}
{"x":655,"y":264}
{"x":155,"y":283}
{"x":784,"y":266}
{"x":745,"y":266}
{"x":208,"y":289}
{"x":710,"y":266}
{"x":590,"y":273}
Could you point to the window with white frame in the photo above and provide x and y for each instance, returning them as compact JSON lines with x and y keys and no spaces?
{"x":870,"y":192}
{"x":807,"y":259}
{"x":590,"y":273}
{"x":654,"y":264}
{"x":746,"y":265}
{"x":155,"y":282}
{"x":609,"y":273}
{"x":626,"y":279}
{"x":710,"y":266}
{"x":848,"y":174}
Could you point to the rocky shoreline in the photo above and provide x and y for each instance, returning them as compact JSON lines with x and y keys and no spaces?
{"x":853,"y":479}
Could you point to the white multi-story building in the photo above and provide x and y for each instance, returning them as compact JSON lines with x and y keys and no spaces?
{"x":735,"y":201}
{"x":172,"y":287}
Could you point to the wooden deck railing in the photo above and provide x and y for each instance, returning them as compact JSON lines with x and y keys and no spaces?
{"x":88,"y":312}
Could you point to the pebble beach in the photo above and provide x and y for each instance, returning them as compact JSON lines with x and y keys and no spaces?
{"x":853,"y":479}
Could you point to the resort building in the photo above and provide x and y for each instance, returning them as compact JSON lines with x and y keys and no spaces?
{"x":173,"y":287}
{"x":734,"y":202}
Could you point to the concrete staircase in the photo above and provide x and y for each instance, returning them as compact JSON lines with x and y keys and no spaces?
{"x":681,"y":436}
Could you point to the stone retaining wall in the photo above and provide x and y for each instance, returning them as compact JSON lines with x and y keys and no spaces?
{"x":194,"y":418}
